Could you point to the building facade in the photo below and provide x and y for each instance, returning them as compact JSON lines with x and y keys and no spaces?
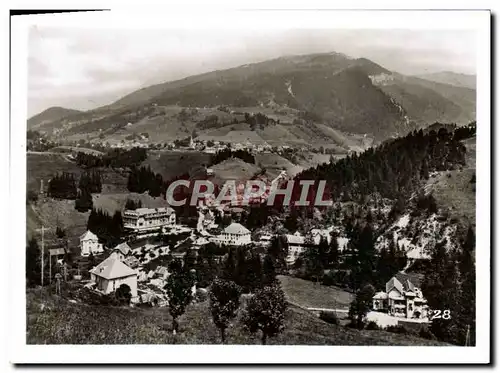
{"x":111,"y":273}
{"x":146,"y":219}
{"x":89,"y":243}
{"x":402,"y":298}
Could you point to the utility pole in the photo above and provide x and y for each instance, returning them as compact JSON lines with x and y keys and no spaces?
{"x":41,"y":253}
{"x":467,"y":336}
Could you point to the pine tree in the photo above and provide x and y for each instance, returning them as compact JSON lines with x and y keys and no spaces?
{"x":33,"y":262}
{"x":179,"y":294}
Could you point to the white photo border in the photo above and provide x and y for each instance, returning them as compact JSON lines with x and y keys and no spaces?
{"x":205,"y":17}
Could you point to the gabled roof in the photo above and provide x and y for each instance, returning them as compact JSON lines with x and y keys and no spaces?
{"x":394,"y":283}
{"x":112,"y":268}
{"x":236,"y":228}
{"x":410,"y":280}
{"x":88,"y":236}
{"x":124,"y":248}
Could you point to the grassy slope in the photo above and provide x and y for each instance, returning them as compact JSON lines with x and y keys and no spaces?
{"x":311,"y":295}
{"x":453,"y":189}
{"x":44,"y":166}
{"x":62,"y":322}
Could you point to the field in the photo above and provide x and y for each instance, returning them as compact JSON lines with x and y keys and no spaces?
{"x":175,"y":163}
{"x":62,"y":322}
{"x":43,"y":166}
{"x":311,"y":295}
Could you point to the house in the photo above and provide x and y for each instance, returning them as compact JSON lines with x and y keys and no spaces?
{"x":296,"y":245}
{"x":111,"y":273}
{"x":402,"y":297}
{"x":132,"y":261}
{"x":148,"y":219}
{"x":121,"y":251}
{"x":89,"y":243}
{"x":234,"y":234}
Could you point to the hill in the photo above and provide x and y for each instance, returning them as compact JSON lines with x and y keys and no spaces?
{"x":312,"y":97}
{"x":50,"y":115}
{"x":63,"y":322}
{"x":451,"y":78}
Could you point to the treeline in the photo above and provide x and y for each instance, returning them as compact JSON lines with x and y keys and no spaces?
{"x":227,"y":153}
{"x":358,"y":265}
{"x":114,"y":158}
{"x":254,"y":120}
{"x":90,"y":181}
{"x":107,"y":228}
{"x":62,"y":186}
{"x":394,"y":168}
{"x":142,"y":180}
{"x":132,"y":204}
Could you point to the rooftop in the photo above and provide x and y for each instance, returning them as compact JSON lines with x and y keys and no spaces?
{"x":236,"y":228}
{"x":88,"y":236}
{"x":146,"y":211}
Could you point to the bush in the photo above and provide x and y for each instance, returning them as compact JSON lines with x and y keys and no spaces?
{"x":372,"y":325}
{"x":329,"y":317}
{"x":400,"y":329}
{"x":31,"y":196}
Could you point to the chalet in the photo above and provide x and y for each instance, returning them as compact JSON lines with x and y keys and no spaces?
{"x":89,"y":243}
{"x":121,"y":251}
{"x":296,"y":245}
{"x":402,"y":297}
{"x":111,"y":273}
{"x":148,"y":219}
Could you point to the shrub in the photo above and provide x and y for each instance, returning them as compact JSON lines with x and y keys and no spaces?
{"x":329,"y":317}
{"x":400,"y":329}
{"x":372,"y":325}
{"x":426,"y":333}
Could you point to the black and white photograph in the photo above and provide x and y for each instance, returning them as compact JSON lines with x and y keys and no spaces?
{"x":189,"y":190}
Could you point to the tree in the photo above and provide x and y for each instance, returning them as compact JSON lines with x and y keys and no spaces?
{"x":229,"y":269}
{"x":268,"y":272}
{"x":84,"y":202}
{"x":265,"y":311}
{"x":467,"y":310}
{"x":123,"y":294}
{"x":179,"y":293}
{"x":224,"y":303}
{"x":361,"y":305}
{"x":91,"y":260}
{"x":33,"y":262}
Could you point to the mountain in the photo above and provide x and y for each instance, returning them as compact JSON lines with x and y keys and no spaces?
{"x":316,"y":99}
{"x":52,"y":114}
{"x":451,"y":78}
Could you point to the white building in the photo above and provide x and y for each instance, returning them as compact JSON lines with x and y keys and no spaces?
{"x":111,"y":273}
{"x":146,"y":219}
{"x":296,"y":245}
{"x":89,"y":243}
{"x":234,"y":234}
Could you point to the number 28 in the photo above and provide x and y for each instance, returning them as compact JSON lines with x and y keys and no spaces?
{"x":441,"y":314}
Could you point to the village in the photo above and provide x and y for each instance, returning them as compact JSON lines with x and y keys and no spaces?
{"x":140,"y":262}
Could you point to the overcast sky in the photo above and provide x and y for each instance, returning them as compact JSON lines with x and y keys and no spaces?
{"x":86,"y":68}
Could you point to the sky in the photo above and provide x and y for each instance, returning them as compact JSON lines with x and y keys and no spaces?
{"x":85,"y":68}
